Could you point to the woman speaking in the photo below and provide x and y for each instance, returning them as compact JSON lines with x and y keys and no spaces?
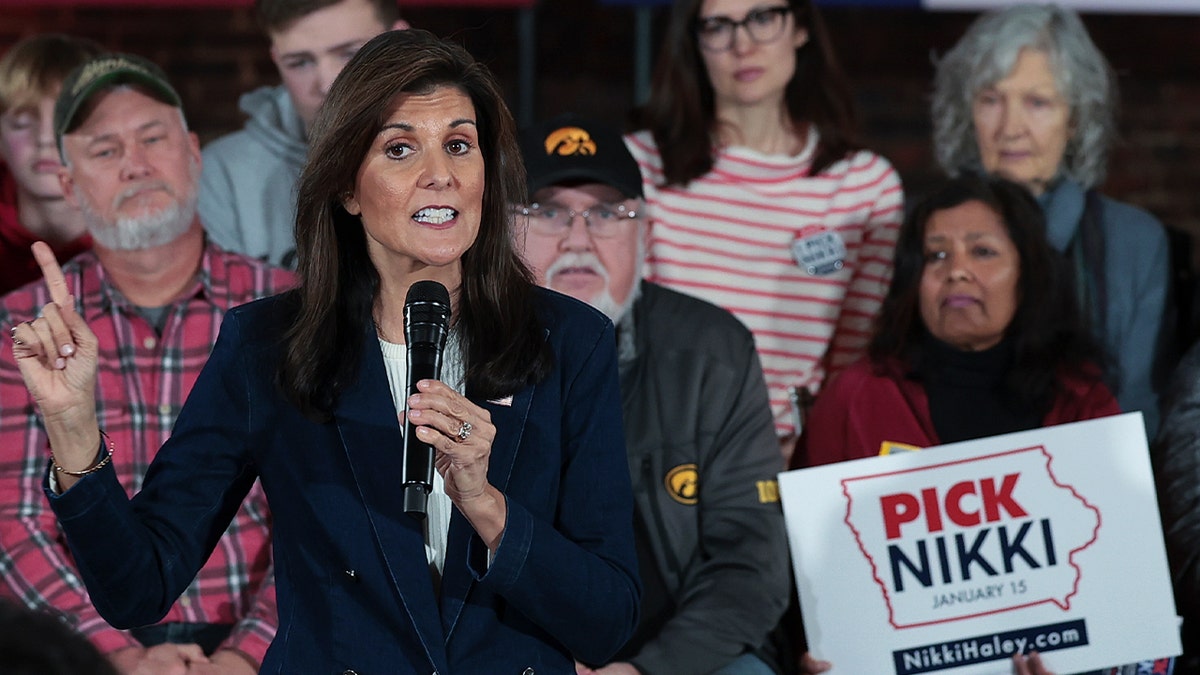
{"x":526,"y":559}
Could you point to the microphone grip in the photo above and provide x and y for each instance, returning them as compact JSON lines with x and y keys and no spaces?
{"x":417,"y":476}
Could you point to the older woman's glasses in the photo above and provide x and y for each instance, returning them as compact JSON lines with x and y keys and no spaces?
{"x":602,"y":220}
{"x":716,"y":33}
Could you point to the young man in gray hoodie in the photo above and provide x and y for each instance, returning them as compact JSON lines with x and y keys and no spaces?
{"x":248,"y":188}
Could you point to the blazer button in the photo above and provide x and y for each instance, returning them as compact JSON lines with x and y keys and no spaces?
{"x":528,"y":671}
{"x":349,"y":672}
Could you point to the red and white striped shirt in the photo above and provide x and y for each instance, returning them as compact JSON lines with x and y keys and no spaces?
{"x":728,"y":237}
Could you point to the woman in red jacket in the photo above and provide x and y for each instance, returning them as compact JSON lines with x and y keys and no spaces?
{"x":979,"y":335}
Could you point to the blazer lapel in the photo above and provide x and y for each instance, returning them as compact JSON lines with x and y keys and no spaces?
{"x":367,"y":421}
{"x":457,"y":579}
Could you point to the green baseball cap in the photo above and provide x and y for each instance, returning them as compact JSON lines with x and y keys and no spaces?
{"x":100,"y":74}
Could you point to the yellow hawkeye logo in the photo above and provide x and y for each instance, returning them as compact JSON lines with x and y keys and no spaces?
{"x":683,"y":484}
{"x":570,"y":141}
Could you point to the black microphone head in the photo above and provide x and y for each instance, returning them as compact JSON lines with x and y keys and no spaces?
{"x":426,"y":313}
{"x":428,"y":291}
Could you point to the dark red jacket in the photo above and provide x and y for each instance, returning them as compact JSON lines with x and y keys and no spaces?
{"x":862,"y":408}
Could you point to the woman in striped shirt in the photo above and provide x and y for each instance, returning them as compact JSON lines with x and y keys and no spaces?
{"x":760,"y":199}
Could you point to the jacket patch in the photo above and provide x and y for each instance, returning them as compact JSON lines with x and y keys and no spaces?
{"x":768,"y":491}
{"x":683,"y":484}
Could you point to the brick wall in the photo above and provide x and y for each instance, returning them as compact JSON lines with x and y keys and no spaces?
{"x":585,"y":62}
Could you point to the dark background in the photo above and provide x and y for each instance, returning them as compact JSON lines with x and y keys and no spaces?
{"x":585,"y":62}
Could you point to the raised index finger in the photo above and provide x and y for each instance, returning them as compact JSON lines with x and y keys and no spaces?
{"x":52,"y":273}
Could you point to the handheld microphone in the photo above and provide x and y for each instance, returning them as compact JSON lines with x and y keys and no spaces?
{"x":426,"y":325}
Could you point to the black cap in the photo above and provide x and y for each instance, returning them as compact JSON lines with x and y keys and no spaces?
{"x":101,"y":73}
{"x":569,"y":148}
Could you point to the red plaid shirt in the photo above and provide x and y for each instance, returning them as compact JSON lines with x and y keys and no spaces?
{"x":142,"y":383}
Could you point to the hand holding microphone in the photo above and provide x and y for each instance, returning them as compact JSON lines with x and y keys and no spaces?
{"x":426,"y":325}
{"x":442,"y":428}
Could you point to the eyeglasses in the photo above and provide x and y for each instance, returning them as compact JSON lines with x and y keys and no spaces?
{"x":552,"y":220}
{"x":716,"y":33}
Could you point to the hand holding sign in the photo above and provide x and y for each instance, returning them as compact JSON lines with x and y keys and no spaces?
{"x":56,"y":355}
{"x":1030,"y":665}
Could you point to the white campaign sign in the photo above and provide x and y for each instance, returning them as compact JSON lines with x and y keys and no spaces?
{"x":952,"y":559}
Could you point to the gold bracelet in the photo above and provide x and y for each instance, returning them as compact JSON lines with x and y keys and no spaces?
{"x":99,"y":465}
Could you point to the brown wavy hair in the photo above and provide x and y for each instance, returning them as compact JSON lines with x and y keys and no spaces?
{"x":681,"y":114}
{"x":503,"y":340}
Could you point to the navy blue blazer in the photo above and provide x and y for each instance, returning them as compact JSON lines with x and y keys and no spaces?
{"x":354,"y":589}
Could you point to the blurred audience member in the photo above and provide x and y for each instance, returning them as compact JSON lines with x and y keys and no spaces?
{"x":33,"y":643}
{"x":1026,"y":95}
{"x":1176,"y":459}
{"x":32,"y":207}
{"x":979,"y":334}
{"x":154,"y":293}
{"x":760,"y":199}
{"x":248,"y":190}
{"x":698,"y":431}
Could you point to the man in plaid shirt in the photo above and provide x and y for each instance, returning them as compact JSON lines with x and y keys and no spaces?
{"x":154,"y":292}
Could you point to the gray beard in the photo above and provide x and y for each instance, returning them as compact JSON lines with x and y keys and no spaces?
{"x":603,"y":300}
{"x":144,"y":231}
{"x":616,"y":312}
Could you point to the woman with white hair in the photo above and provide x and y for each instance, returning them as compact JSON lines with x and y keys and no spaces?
{"x":1025,"y":94}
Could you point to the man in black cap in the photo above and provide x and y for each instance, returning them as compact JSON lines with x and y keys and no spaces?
{"x":698,"y":429}
{"x":154,"y":292}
